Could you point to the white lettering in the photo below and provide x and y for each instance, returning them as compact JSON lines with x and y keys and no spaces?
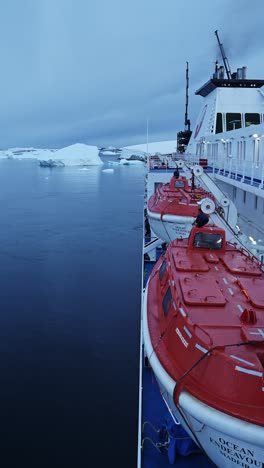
{"x":239,"y":455}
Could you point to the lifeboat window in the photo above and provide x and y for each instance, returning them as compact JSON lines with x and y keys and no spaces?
{"x":233,"y":120}
{"x":252,"y":119}
{"x":179,"y":184}
{"x":166,"y":303}
{"x":162,"y":270}
{"x":206,"y":240}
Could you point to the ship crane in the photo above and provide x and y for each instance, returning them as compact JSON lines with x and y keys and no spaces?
{"x":225,"y":213}
{"x":226,"y":64}
{"x":228,"y":218}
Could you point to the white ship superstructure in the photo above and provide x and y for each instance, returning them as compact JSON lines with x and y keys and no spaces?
{"x":229,"y":134}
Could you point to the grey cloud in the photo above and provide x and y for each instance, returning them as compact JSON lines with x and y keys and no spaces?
{"x":95,"y":71}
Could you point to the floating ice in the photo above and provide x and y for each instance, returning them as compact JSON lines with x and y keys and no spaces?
{"x":123,"y":161}
{"x":23,"y":153}
{"x":78,"y":154}
{"x":108,"y":170}
{"x":108,"y":153}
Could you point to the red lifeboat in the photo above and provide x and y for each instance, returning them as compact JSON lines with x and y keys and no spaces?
{"x":175,"y":205}
{"x":205,"y":316}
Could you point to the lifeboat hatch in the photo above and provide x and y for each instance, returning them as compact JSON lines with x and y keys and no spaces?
{"x":196,"y":291}
{"x":253,"y":288}
{"x":241,"y":264}
{"x":192,"y":263}
{"x":253,"y":334}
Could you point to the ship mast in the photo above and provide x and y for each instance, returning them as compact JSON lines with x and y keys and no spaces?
{"x":226,"y":64}
{"x":184,"y":136}
{"x":187,"y":121}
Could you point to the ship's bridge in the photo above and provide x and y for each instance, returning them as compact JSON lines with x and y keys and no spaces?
{"x":214,"y":83}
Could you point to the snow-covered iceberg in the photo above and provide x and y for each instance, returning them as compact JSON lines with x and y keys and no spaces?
{"x":132,"y":155}
{"x":128,"y":161}
{"x":162,"y":147}
{"x":108,"y":153}
{"x":78,"y":154}
{"x":23,"y":153}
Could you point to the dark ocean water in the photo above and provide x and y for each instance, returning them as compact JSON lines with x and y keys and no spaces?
{"x":70,"y":273}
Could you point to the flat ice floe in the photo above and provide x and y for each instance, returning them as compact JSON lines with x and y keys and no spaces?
{"x":108,"y":170}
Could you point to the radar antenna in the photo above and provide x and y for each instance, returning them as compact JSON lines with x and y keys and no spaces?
{"x":226,"y":64}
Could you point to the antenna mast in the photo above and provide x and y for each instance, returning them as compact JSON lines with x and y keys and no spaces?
{"x":226,"y":64}
{"x":184,"y":136}
{"x":187,"y":121}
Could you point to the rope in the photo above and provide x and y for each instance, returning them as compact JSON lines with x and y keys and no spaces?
{"x":243,"y":343}
{"x":176,"y":388}
{"x":166,"y":230}
{"x":162,"y":335}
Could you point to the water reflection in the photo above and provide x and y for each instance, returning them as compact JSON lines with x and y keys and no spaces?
{"x":70,"y":275}
{"x":74,"y":179}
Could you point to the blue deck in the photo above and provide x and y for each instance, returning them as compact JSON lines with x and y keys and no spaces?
{"x":155,"y":417}
{"x":158,"y":427}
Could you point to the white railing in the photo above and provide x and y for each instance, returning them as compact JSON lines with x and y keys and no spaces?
{"x":237,"y":170}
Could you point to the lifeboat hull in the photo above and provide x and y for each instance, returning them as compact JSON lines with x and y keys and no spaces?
{"x":169,"y":227}
{"x":229,"y":442}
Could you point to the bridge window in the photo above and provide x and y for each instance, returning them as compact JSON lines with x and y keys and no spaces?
{"x":219,"y":123}
{"x":206,"y":240}
{"x":166,"y":303}
{"x":162,"y":270}
{"x":252,"y":119}
{"x":233,"y":121}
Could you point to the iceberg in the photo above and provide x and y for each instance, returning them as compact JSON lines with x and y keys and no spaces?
{"x":163,"y":147}
{"x":133,"y":156}
{"x":78,"y":154}
{"x":22,"y":153}
{"x":108,"y":153}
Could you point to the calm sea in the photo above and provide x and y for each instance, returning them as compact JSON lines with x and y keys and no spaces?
{"x":70,"y":272}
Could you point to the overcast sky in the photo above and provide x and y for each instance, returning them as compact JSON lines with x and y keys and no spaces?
{"x":94,"y":71}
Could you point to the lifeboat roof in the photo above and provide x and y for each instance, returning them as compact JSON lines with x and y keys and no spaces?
{"x":206,"y":301}
{"x":177,"y":197}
